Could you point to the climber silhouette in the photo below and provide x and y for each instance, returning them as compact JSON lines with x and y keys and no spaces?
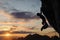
{"x":51,"y":10}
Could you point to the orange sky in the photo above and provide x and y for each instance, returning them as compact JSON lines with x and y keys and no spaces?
{"x":22,"y":25}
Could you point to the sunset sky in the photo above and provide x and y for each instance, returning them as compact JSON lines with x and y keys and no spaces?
{"x":21,"y":5}
{"x":19,"y":13}
{"x":9,"y":6}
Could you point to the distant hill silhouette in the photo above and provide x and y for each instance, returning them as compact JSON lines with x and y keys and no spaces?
{"x":39,"y":37}
{"x":36,"y":37}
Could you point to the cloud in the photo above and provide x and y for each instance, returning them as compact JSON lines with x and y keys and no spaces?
{"x":24,"y":15}
{"x":4,"y":16}
{"x":23,"y":5}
